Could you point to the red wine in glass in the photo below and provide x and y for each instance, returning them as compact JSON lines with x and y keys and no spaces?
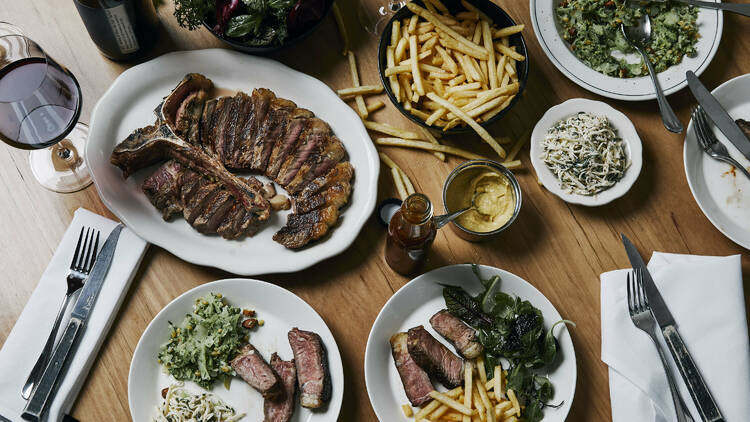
{"x":40,"y":102}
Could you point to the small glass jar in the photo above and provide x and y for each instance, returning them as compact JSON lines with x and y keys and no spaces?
{"x":411,"y":232}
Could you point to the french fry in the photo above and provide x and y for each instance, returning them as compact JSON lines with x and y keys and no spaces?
{"x":491,"y":68}
{"x":516,"y":147}
{"x":435,"y":116}
{"x":395,"y":32}
{"x":360,"y":90}
{"x":498,"y":378}
{"x":415,"y":73}
{"x":509,"y":52}
{"x":508,"y":31}
{"x":490,"y":414}
{"x":474,"y":125}
{"x":429,"y":408}
{"x":375,"y":106}
{"x":446,"y":400}
{"x":413,"y":24}
{"x":392,"y":80}
{"x":398,"y":142}
{"x":472,"y":8}
{"x":408,"y":411}
{"x":448,"y":63}
{"x":400,"y":49}
{"x":439,"y":6}
{"x":513,"y":399}
{"x":481,"y":370}
{"x":362,"y":109}
{"x":390,"y":130}
{"x":342,"y":29}
{"x":429,"y":45}
{"x":407,"y":183}
{"x":399,"y":183}
{"x":430,"y":17}
{"x":430,"y":137}
{"x":468,"y":384}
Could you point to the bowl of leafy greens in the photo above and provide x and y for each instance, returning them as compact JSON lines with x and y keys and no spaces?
{"x":253,"y":26}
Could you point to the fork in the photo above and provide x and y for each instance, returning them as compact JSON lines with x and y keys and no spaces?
{"x":710,"y":144}
{"x":83,"y":259}
{"x":640,"y":313}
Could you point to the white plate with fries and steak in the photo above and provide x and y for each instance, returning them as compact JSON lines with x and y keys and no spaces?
{"x":239,"y":350}
{"x":453,"y":66}
{"x":204,"y":153}
{"x":470,"y":342}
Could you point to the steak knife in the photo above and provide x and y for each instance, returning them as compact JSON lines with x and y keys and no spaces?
{"x":699,"y":391}
{"x":718,"y":115}
{"x":42,"y":394}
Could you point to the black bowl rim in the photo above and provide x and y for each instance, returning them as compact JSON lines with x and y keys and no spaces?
{"x":385,"y":38}
{"x":272,"y":48}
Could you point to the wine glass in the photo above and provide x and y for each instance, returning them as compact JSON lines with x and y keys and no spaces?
{"x":373,"y":19}
{"x":40,"y":102}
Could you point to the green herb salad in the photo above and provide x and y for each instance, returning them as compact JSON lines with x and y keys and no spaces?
{"x":592,"y":28}
{"x":201,"y":347}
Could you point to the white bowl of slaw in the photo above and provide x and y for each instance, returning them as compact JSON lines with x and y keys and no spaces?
{"x":625,"y":129}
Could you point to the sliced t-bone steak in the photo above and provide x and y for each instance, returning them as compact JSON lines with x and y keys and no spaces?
{"x":463,"y":337}
{"x":252,"y":368}
{"x":300,"y":229}
{"x":281,"y":408}
{"x":311,"y":359}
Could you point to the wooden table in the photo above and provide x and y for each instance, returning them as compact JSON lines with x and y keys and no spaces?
{"x":560,"y":248}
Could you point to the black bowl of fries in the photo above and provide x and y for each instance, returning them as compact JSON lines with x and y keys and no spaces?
{"x":457,"y":85}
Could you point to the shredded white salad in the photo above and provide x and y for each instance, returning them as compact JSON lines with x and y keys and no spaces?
{"x":585,"y":154}
{"x":180,"y":405}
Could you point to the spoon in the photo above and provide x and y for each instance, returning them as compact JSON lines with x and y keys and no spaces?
{"x":638,"y":36}
{"x":444,"y":219}
{"x":742,"y":9}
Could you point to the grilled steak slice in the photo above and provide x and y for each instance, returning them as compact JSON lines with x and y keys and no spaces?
{"x":163,"y":188}
{"x":336,"y":195}
{"x":416,"y":382}
{"x":196,"y":203}
{"x":271,"y":132}
{"x":432,"y":356}
{"x":309,"y":142}
{"x":318,"y":163}
{"x":252,"y":368}
{"x":214,"y":212}
{"x":299,"y":120}
{"x":282,"y":408}
{"x":221,"y":126}
{"x":311,"y":360}
{"x":461,"y":336}
{"x":301,"y":229}
{"x":242,"y":156}
{"x":205,"y":129}
{"x":342,"y":172}
{"x":236,"y":123}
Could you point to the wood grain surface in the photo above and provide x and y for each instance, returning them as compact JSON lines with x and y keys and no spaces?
{"x":559,"y":248}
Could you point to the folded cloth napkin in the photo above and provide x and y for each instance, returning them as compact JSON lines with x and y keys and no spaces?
{"x":705,"y":296}
{"x":22,"y":347}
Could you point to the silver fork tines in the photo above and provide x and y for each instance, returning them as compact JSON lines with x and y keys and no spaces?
{"x":80,"y":267}
{"x":640,"y":314}
{"x":710,"y":144}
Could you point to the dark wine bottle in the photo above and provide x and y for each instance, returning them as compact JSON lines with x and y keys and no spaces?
{"x":121,"y":29}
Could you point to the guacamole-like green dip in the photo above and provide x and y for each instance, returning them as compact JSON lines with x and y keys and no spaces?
{"x":201,"y":347}
{"x":592,"y":27}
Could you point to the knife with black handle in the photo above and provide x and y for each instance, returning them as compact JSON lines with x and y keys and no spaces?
{"x":43,"y":392}
{"x":704,"y":401}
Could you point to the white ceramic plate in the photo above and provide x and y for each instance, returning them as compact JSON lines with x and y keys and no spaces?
{"x":421,"y":298}
{"x":280,"y":309}
{"x":626,"y":130}
{"x":547,"y":30}
{"x":723,"y":196}
{"x":129,"y":104}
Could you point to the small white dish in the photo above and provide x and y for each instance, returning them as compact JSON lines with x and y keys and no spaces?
{"x":279,"y":308}
{"x":625,"y":129}
{"x":722,"y":195}
{"x":547,"y":29}
{"x":421,"y":298}
{"x":129,"y":103}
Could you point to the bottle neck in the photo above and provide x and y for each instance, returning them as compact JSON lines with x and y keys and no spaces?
{"x":417,"y":209}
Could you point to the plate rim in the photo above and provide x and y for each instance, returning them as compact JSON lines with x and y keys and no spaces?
{"x":719,"y":31}
{"x":236,"y":266}
{"x":370,"y":340}
{"x":635,"y":152}
{"x":689,"y":175}
{"x":265,"y":284}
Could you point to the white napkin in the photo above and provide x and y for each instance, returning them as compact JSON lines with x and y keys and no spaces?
{"x":705,"y":296}
{"x":22,"y":347}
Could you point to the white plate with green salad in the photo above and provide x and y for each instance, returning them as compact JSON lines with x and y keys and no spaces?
{"x":199,"y":332}
{"x":583,"y":40}
{"x":497,"y":295}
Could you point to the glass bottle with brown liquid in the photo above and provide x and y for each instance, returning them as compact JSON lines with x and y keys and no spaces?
{"x":411,"y":232}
